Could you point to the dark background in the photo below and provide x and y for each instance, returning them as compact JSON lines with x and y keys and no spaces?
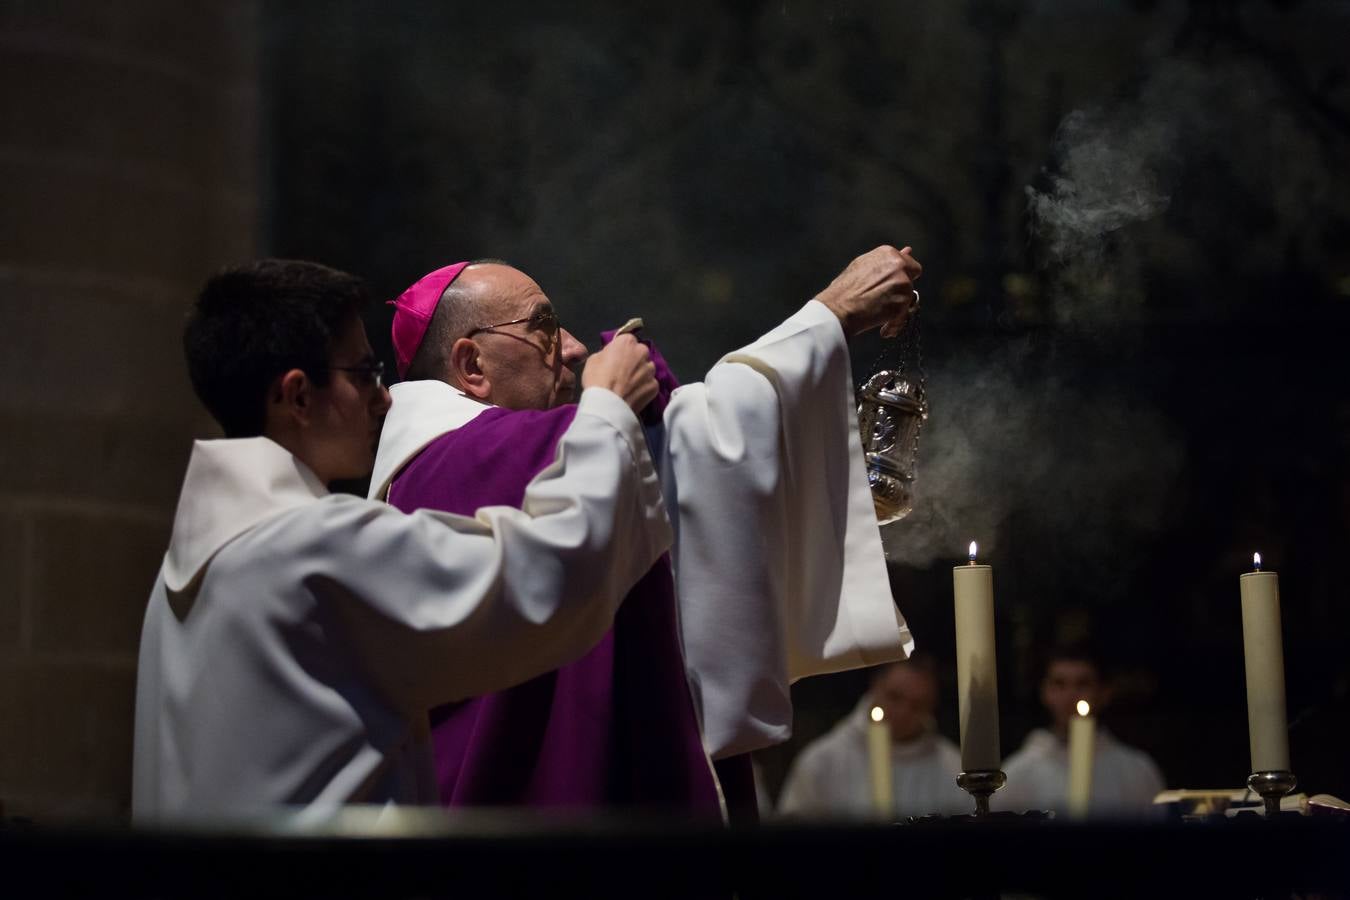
{"x":1132,"y":215}
{"x":1134,"y":318}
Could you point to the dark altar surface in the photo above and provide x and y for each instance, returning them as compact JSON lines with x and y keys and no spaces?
{"x":508,"y":857}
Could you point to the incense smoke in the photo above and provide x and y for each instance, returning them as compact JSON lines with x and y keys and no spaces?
{"x":1014,"y":440}
{"x":1173,"y":177}
{"x":1113,"y":173}
{"x":1009,"y":445}
{"x":1110,"y":176}
{"x":1114,"y":168}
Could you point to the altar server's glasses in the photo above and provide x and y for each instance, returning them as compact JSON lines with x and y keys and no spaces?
{"x":371,"y":373}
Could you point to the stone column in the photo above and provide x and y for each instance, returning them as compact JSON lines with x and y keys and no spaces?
{"x":129,"y":164}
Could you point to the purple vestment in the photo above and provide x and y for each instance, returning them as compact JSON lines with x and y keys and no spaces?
{"x":617,"y":727}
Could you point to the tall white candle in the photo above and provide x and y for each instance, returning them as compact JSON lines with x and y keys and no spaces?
{"x":1263,"y":646}
{"x":1082,"y":744}
{"x":976,"y":668}
{"x":879,"y":761}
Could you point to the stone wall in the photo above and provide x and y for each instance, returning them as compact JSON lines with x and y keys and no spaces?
{"x":130,"y":163}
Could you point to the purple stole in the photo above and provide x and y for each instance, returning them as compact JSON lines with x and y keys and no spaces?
{"x":616,"y":728}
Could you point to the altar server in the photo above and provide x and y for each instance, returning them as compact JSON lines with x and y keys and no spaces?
{"x":831,"y":777}
{"x":295,"y":639}
{"x":1124,"y":780}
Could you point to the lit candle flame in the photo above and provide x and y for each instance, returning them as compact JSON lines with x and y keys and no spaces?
{"x":972,"y":551}
{"x":1256,"y":561}
{"x":1083,"y":708}
{"x":877,"y":714}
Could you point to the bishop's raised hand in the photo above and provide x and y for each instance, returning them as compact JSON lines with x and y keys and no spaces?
{"x":876,"y":290}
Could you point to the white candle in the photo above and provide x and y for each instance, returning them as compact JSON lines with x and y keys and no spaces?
{"x":879,"y":760}
{"x":1263,"y":646}
{"x":976,"y":669}
{"x":1082,"y":744}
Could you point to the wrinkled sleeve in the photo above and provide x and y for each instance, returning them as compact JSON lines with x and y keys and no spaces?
{"x":778,"y":558}
{"x":441,"y":607}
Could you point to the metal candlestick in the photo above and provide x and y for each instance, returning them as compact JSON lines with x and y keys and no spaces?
{"x":1272,"y":786}
{"x":981,"y":785}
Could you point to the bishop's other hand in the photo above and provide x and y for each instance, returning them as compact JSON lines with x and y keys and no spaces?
{"x":625,"y":367}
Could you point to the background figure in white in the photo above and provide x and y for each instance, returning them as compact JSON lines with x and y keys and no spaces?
{"x":831,"y":777}
{"x":1124,"y":780}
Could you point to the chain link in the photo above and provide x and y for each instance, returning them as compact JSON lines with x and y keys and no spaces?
{"x":908,"y":349}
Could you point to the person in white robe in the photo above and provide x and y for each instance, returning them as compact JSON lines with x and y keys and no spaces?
{"x":1124,"y":779}
{"x":779,"y":568}
{"x":831,"y":777}
{"x":295,"y":639}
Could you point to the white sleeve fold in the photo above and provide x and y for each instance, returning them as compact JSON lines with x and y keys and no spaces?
{"x":470,"y":606}
{"x":778,"y":558}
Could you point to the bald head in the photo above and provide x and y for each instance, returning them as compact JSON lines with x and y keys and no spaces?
{"x":521,"y":363}
{"x":464,"y":305}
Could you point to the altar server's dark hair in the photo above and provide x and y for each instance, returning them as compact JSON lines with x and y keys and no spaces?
{"x":1084,"y":650}
{"x":258,"y":321}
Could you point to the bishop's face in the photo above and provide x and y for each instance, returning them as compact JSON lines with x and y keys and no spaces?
{"x":529,"y":364}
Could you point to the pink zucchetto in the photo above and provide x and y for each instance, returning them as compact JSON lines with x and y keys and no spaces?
{"x":413,"y":310}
